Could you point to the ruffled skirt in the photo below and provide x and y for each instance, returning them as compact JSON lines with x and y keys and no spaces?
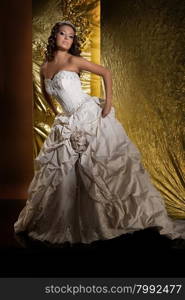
{"x":89,"y":184}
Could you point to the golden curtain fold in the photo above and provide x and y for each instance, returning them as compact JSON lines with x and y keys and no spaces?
{"x":143,"y":44}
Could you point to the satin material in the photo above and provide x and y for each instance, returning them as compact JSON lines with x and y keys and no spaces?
{"x":89,"y":181}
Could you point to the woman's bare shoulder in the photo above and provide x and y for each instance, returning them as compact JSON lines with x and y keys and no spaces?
{"x":86,"y":65}
{"x":74,"y":62}
{"x":75,"y":58}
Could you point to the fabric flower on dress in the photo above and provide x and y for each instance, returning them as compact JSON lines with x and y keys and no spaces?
{"x":79,"y":141}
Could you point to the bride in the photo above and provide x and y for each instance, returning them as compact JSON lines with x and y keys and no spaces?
{"x":89,"y":183}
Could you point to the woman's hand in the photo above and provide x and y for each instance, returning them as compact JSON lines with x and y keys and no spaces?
{"x":106,"y":110}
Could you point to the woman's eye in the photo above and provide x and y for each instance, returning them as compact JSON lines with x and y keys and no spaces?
{"x":62,"y":33}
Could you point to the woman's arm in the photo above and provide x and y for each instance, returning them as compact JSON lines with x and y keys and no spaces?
{"x":84,"y":64}
{"x":45,"y":94}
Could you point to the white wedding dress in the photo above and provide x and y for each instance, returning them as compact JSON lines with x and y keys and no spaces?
{"x":89,"y":182}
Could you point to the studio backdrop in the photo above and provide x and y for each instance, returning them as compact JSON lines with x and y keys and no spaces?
{"x":142,"y":42}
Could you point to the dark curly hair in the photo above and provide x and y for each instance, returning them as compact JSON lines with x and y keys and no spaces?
{"x":51,"y":46}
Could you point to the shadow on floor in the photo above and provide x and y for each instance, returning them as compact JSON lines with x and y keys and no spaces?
{"x":143,"y":253}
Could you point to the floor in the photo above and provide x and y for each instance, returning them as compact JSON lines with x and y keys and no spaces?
{"x":141,"y":254}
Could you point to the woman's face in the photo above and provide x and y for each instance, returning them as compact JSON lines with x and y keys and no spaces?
{"x":65,"y":37}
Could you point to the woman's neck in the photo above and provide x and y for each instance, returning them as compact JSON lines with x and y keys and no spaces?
{"x":61,"y":55}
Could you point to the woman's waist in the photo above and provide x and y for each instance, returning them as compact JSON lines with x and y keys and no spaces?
{"x":85,"y":103}
{"x":86,"y":112}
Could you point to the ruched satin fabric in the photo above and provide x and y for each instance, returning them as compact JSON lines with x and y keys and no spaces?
{"x":89,"y":182}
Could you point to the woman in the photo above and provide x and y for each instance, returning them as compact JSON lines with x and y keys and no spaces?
{"x":63,"y":53}
{"x":89,"y":182}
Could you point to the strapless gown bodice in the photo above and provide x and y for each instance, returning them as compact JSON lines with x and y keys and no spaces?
{"x":66,"y":87}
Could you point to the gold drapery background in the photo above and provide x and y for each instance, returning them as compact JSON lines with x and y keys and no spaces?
{"x":142,"y":43}
{"x":85,"y":14}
